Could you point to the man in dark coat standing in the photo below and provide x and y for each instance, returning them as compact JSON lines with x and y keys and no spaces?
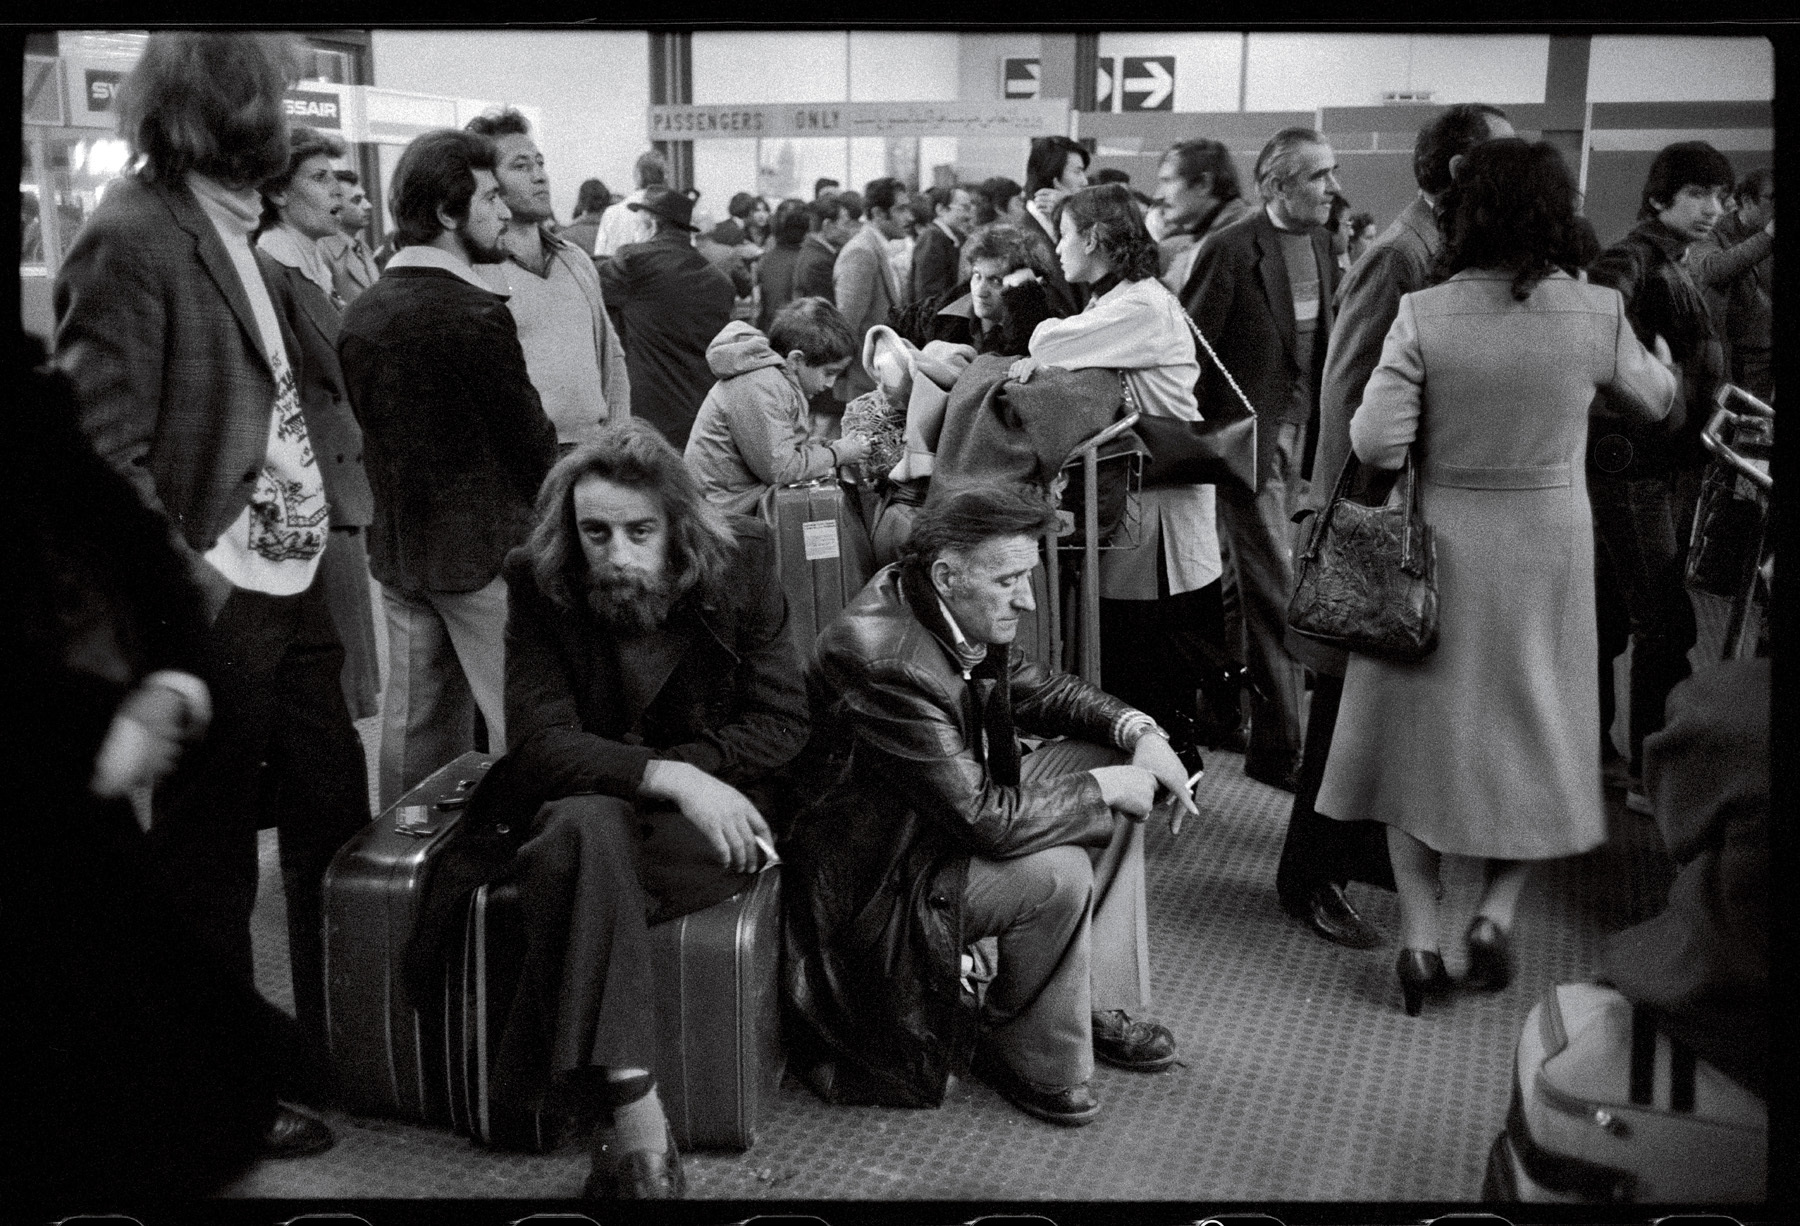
{"x":456,"y":443}
{"x":1319,"y":855}
{"x":937,"y":250}
{"x":669,"y":302}
{"x":1261,"y":293}
{"x":939,"y":834}
{"x":652,"y":699}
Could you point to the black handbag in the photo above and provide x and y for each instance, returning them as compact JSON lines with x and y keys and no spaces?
{"x":1220,"y":450}
{"x":1367,"y":579}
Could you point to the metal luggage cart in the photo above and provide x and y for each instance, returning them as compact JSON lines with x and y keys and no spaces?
{"x":1085,"y":642}
{"x":1730,"y":554}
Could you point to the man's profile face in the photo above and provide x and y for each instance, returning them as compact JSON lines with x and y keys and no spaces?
{"x":1312,"y":184}
{"x":523,"y":184}
{"x":482,"y":229}
{"x":624,"y":534}
{"x":897,"y":221}
{"x":959,"y":214}
{"x":1758,"y":211}
{"x":988,"y":588}
{"x":354,"y":214}
{"x":1185,"y":203}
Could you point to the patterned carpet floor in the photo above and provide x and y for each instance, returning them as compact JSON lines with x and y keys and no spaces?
{"x":1300,"y":1080}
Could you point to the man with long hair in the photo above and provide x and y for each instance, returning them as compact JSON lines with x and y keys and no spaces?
{"x":652,"y":700}
{"x":185,"y":382}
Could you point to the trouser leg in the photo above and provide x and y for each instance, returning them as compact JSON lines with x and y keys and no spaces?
{"x":476,"y":624}
{"x":1119,"y":944}
{"x":203,"y":840}
{"x":320,"y":783}
{"x":1261,"y":535}
{"x":1636,"y":520}
{"x":427,"y":708}
{"x":1614,"y":626}
{"x":1039,"y":1004}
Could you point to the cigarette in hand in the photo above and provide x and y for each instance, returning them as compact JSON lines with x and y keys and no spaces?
{"x":768,"y":851}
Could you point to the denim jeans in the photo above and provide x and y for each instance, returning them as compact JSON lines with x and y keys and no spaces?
{"x":1641,"y":529}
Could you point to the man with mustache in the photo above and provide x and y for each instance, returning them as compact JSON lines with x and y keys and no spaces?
{"x":456,"y":443}
{"x":652,"y":700}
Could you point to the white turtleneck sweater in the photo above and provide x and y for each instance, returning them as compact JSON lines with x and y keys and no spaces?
{"x":273,"y":546}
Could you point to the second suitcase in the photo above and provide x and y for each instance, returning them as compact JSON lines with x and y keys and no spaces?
{"x":717,"y":1018}
{"x":824,"y":554}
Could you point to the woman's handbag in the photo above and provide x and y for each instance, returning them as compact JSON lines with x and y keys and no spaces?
{"x":1218,"y":451}
{"x":1367,"y":579}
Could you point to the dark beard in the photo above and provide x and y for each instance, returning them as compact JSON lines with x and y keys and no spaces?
{"x":629,"y":602}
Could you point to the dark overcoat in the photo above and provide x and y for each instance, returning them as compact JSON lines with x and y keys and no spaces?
{"x":668,"y":302}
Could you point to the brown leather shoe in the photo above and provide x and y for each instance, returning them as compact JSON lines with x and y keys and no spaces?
{"x":295,"y":1133}
{"x":1124,"y":1042}
{"x":636,"y":1175}
{"x":1069,"y":1106}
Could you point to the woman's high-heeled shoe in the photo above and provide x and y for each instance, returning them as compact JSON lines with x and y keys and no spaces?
{"x":1490,"y":959}
{"x":1421,"y":973}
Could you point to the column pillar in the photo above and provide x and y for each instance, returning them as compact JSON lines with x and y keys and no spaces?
{"x":1566,"y":96}
{"x":672,"y":84}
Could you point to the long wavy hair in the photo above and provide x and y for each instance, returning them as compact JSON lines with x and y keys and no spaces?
{"x":210,"y":102}
{"x":1511,"y":208}
{"x":630,"y":453}
{"x":1110,"y":211}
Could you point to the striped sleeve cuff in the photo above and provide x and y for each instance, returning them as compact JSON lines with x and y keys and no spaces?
{"x":1130,"y":726}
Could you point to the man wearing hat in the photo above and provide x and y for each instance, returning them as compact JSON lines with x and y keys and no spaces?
{"x":668,"y":303}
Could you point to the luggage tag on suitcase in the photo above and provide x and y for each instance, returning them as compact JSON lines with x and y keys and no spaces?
{"x":423,"y":821}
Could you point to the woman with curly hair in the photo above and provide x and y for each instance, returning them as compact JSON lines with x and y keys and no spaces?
{"x":1480,"y":758}
{"x":1154,"y":594}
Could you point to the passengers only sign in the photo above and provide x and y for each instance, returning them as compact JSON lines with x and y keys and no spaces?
{"x":839,"y":119}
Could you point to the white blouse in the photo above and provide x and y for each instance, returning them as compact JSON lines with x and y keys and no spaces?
{"x":1137,"y":328}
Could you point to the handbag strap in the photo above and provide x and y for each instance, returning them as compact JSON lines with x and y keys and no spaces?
{"x":1213,"y":354}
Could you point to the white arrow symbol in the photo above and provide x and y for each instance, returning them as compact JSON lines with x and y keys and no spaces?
{"x":1155,"y":87}
{"x":1103,"y":85}
{"x":1016,"y":88}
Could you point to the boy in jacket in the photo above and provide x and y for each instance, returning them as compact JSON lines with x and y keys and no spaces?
{"x":751,"y":432}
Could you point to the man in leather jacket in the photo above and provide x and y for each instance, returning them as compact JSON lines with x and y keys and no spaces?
{"x":937,"y":835}
{"x":1644,"y":481}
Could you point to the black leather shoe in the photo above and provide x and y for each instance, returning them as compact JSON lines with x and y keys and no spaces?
{"x":1327,"y":912}
{"x":1490,"y":958}
{"x":1070,"y":1106}
{"x":636,"y":1175}
{"x":296,"y":1133}
{"x":1285,"y":779}
{"x":1124,"y":1042}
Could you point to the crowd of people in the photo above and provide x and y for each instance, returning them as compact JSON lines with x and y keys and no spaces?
{"x":551,"y":446}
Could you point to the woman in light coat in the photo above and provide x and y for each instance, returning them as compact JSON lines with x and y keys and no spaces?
{"x":1480,"y":758}
{"x":1153,"y":594}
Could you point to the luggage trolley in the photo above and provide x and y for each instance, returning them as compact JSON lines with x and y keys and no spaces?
{"x":1729,"y":552}
{"x":1087,"y":458}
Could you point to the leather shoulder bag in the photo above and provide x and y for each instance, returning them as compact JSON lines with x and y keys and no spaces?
{"x":1221,"y":450}
{"x":1367,"y":580}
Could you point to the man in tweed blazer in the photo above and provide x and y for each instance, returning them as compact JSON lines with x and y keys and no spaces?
{"x":865,"y":288}
{"x":184,"y":384}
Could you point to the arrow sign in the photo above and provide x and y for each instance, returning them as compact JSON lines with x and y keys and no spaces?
{"x":1020,"y":78}
{"x":1148,"y":83}
{"x":1103,"y":83}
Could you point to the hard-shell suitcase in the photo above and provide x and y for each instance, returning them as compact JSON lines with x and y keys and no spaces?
{"x":824,"y":554}
{"x":718,"y":1014}
{"x":718,"y":1043}
{"x":1605,"y":1107}
{"x":388,"y":1055}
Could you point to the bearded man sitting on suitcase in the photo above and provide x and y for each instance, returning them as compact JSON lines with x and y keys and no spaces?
{"x":652,"y":700}
{"x":938,"y":833}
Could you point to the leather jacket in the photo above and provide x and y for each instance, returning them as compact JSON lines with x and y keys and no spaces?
{"x":876,"y":868}
{"x":1661,"y":299}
